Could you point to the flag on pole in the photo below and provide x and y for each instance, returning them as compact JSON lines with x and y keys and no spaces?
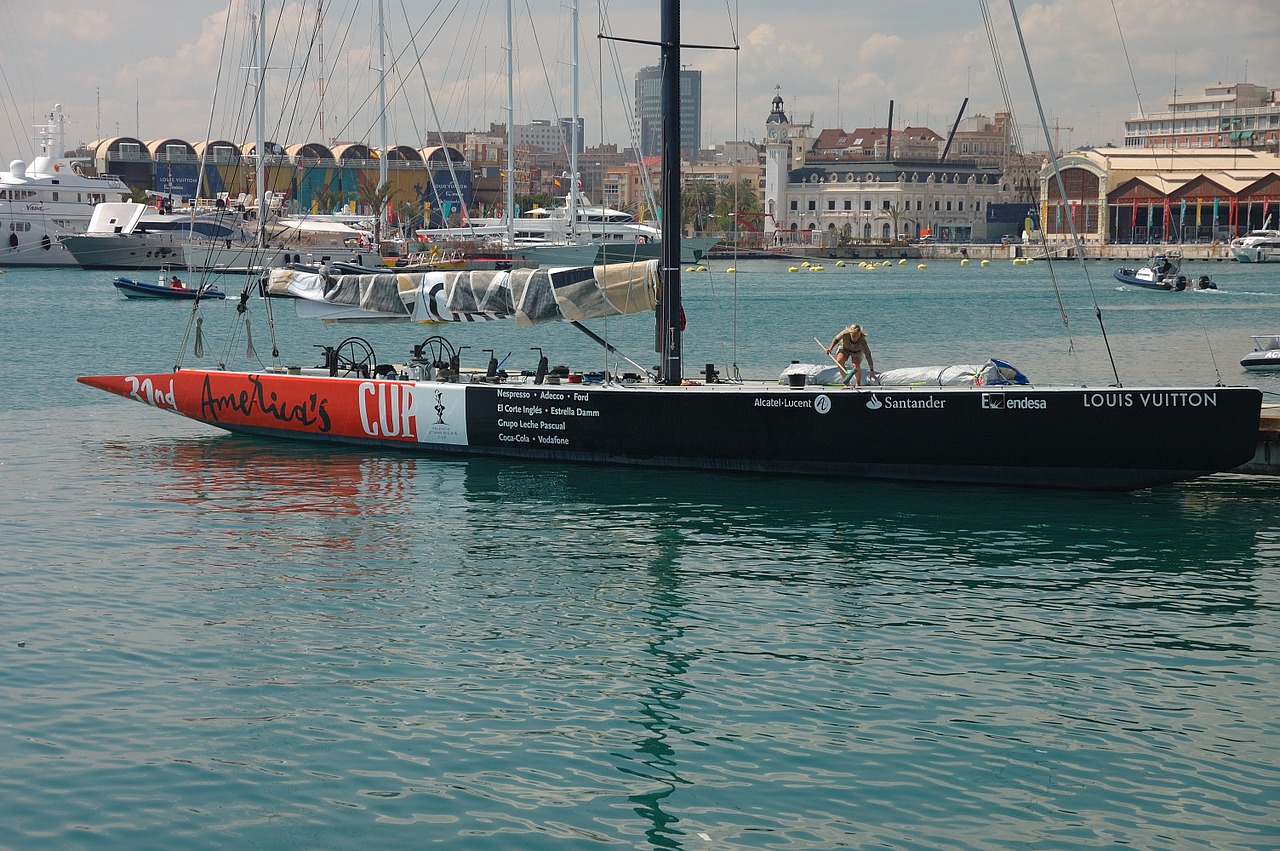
{"x":1133,"y":221}
{"x":1182,"y":215}
{"x":1198,"y":200}
{"x":1215,"y":212}
{"x":1167,"y":217}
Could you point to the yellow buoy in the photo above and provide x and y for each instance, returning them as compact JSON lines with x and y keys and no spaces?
{"x":805,"y":263}
{"x":730,"y":270}
{"x":964,"y":262}
{"x":839,"y":263}
{"x":985,"y":263}
{"x":793,"y":269}
{"x":702,"y":268}
{"x":922,"y":266}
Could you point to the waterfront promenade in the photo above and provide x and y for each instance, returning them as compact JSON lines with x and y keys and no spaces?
{"x":988,"y":251}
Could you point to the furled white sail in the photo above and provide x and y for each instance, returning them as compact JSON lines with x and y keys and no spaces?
{"x":530,"y":296}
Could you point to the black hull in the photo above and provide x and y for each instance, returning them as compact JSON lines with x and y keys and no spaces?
{"x":1108,"y":439}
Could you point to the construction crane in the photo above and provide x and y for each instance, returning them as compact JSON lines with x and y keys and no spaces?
{"x":1057,"y":133}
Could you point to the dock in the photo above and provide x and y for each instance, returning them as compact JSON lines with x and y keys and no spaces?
{"x":1118,"y":253}
{"x":1266,"y":458}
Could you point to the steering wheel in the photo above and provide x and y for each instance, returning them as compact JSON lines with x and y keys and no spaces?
{"x":354,"y":356}
{"x":436,"y":351}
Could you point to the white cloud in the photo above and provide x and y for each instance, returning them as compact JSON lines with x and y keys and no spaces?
{"x":843,"y":65}
{"x":89,"y":26}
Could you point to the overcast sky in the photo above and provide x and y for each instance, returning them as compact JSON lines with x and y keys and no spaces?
{"x":174,"y":69}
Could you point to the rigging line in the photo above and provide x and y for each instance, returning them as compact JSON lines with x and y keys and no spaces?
{"x":542,"y":60}
{"x":1127,"y":60}
{"x":337,"y":52}
{"x":193,"y":324}
{"x":624,"y":97}
{"x":1155,"y":159}
{"x":217,"y":84}
{"x":21,"y":48}
{"x":734,"y":16}
{"x":394,"y":60}
{"x":1062,"y":193}
{"x":418,"y":132}
{"x":453,"y":175}
{"x":994,"y":43}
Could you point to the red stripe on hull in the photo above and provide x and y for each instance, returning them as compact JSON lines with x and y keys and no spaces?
{"x":308,"y":405}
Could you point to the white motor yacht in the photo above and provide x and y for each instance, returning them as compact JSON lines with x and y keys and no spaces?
{"x":594,"y":235}
{"x":126,"y":235}
{"x":47,"y":199}
{"x":1258,"y":246}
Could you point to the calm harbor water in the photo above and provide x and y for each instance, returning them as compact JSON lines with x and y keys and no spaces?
{"x":215,"y":642}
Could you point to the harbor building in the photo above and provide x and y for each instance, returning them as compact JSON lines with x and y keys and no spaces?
{"x":295,"y":175}
{"x":648,"y":116}
{"x":1237,"y":115}
{"x":1118,"y":195}
{"x":873,"y":185}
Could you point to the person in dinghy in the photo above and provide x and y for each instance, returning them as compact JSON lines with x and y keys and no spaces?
{"x":851,"y":345}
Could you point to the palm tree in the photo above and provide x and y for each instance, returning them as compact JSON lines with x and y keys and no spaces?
{"x":377,"y":198}
{"x":407,"y":214}
{"x":326,"y":199}
{"x":735,"y":200}
{"x":897,"y":213}
{"x":698,"y":200}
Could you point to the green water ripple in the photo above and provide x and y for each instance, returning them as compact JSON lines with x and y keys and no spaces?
{"x":213,"y":642}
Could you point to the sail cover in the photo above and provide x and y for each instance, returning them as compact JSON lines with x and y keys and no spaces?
{"x":992,"y":372}
{"x":530,"y":296}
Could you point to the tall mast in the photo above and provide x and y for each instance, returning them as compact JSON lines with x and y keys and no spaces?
{"x":573,"y":133}
{"x":671,"y":324}
{"x":511,"y":129}
{"x":320,"y":59}
{"x":260,"y":118}
{"x":382,"y":114}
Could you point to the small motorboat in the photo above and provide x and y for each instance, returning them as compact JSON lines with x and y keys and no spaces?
{"x":1163,"y":272}
{"x":1265,"y":356}
{"x":167,"y":287}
